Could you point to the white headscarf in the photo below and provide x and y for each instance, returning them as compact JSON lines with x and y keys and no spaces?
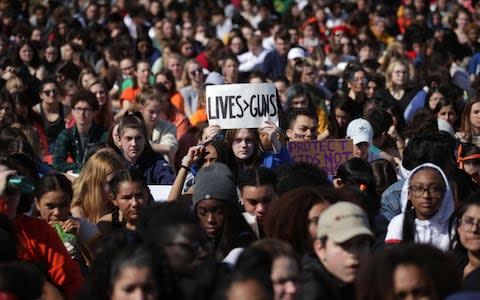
{"x":433,"y":231}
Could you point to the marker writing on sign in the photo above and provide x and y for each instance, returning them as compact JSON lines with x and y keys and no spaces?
{"x":234,"y":106}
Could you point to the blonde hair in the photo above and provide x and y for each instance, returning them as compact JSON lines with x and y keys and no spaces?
{"x":389,"y":72}
{"x":87,"y":189}
{"x":186,"y":81}
{"x":14,"y":82}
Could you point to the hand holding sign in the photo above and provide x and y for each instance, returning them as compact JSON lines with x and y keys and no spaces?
{"x":241,"y":105}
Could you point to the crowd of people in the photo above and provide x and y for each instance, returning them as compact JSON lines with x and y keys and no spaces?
{"x":101,"y":99}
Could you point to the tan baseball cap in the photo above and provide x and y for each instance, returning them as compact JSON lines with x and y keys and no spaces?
{"x":343,"y":221}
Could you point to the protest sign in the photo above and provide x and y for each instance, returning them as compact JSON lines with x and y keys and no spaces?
{"x":327,"y":154}
{"x":241,"y":105}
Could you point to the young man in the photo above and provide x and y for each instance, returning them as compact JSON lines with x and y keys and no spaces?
{"x":257,"y":190}
{"x":361,"y":132}
{"x":275,"y":61}
{"x":75,"y":142}
{"x":302,"y":125}
{"x":343,"y":243}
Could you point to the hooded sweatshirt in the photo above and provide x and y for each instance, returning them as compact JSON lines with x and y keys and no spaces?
{"x":436,"y":230}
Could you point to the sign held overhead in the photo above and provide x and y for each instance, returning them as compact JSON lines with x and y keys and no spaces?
{"x":241,"y":105}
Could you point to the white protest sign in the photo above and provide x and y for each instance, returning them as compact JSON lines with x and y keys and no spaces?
{"x":241,"y":105}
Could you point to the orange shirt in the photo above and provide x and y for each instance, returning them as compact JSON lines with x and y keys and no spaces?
{"x":39,"y":242}
{"x":177,"y":100}
{"x":199,"y":116}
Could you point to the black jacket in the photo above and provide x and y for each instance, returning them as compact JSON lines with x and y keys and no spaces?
{"x":316,"y":283}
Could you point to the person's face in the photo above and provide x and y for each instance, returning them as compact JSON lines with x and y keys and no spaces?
{"x":284,"y":277}
{"x":230,"y":68}
{"x":236,"y":45}
{"x":67,"y":52}
{"x":195,"y":72}
{"x":300,"y":101}
{"x":426,"y":192}
{"x":365,"y":53}
{"x":211,"y":213}
{"x":143,"y":47}
{"x":461,"y":20}
{"x":100,"y":93}
{"x":244,"y":144}
{"x":127,"y":67}
{"x":468,"y":229}
{"x":188,"y":248}
{"x":49,"y":93}
{"x":409,"y":283}
{"x":475,"y":116}
{"x":399,"y":75}
{"x":358,"y":83}
{"x":85,"y":79}
{"x":130,"y":198}
{"x":434,"y":98}
{"x":361,"y":150}
{"x":308,"y":75}
{"x":168,"y":30}
{"x":133,"y":143}
{"x":247,"y":32}
{"x":106,"y":187}
{"x":342,"y":117}
{"x":256,"y":200}
{"x":346,"y":45}
{"x":143,"y":72}
{"x":26,"y":53}
{"x":83,"y":113}
{"x":343,"y":260}
{"x":134,"y":283}
{"x":448,"y":114}
{"x":53,"y":206}
{"x":282,"y":46}
{"x":472,"y":35}
{"x":51,"y":54}
{"x":187,"y":29}
{"x":313,"y":215}
{"x":36,"y":35}
{"x":151,"y":112}
{"x":175,"y":66}
{"x":210,"y":157}
{"x":5,"y":110}
{"x":303,"y":129}
{"x":187,"y":50}
{"x":162,"y":79}
{"x":91,"y":13}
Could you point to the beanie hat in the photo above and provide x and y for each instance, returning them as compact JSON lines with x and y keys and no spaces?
{"x":214,"y":182}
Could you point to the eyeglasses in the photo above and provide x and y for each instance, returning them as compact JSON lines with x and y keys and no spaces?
{"x":468,"y":223}
{"x":49,"y":92}
{"x":433,"y":191}
{"x":85,"y":111}
{"x":195,"y":72}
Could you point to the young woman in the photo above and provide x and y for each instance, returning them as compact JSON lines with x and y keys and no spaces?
{"x":230,"y":69}
{"x":51,"y":110}
{"x":53,"y":196}
{"x":469,"y":232}
{"x":104,"y":113}
{"x":427,"y":209}
{"x":216,"y":207}
{"x":27,"y":60}
{"x":128,"y":195}
{"x":192,"y":82}
{"x":91,"y":190}
{"x":468,"y":159}
{"x":160,"y":132}
{"x":167,"y":79}
{"x":447,"y":109}
{"x":470,"y":125}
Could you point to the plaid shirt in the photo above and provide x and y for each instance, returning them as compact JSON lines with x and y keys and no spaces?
{"x":69,"y":145}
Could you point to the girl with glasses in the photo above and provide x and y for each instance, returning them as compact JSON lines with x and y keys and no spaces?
{"x":427,"y":210}
{"x":192,"y":81}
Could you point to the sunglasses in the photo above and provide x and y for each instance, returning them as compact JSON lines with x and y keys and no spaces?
{"x":195,"y":72}
{"x":49,"y":92}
